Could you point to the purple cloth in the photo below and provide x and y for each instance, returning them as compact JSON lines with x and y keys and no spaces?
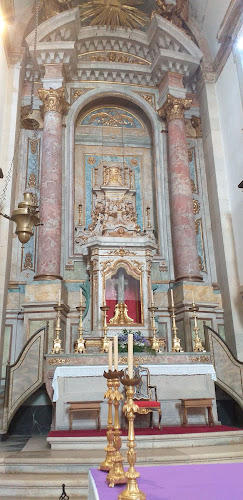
{"x":182,"y":482}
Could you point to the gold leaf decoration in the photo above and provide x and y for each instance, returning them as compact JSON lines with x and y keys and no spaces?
{"x":114,"y":13}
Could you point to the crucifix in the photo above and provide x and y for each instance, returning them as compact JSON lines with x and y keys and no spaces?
{"x":121,"y":283}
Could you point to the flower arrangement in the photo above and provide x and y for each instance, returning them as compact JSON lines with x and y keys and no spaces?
{"x":140,"y":343}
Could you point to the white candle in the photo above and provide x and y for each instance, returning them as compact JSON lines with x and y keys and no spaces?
{"x":130,"y":355}
{"x":59,"y":297}
{"x":193,"y":303}
{"x":172,"y":297}
{"x":110,"y":355}
{"x":81,"y":296}
{"x":116,"y":352}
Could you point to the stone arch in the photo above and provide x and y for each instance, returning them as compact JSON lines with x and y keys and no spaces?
{"x":152,"y":117}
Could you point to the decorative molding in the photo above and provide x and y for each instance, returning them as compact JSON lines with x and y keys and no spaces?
{"x":76,"y":93}
{"x":113,"y":56}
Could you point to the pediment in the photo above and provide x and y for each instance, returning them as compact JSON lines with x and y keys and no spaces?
{"x":127,"y":56}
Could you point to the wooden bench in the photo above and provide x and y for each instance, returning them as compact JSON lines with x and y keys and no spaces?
{"x":84,"y":406}
{"x":197,"y":403}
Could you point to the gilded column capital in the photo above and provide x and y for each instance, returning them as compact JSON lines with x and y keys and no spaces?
{"x":174,"y":107}
{"x":54,"y":100}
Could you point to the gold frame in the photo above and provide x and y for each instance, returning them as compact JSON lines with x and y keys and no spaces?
{"x":132,"y":271}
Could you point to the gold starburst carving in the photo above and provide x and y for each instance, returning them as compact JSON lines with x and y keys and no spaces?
{"x":114,"y":13}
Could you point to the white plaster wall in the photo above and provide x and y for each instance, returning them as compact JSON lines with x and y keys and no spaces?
{"x":231,"y":122}
{"x":209,"y":15}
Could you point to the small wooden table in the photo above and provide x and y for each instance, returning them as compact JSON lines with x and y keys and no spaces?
{"x":84,"y":406}
{"x":197,"y":403}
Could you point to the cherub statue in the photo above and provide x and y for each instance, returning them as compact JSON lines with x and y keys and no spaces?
{"x":49,"y":8}
{"x":173,"y":13}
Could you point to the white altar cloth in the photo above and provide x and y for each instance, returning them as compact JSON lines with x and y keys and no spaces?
{"x":96,"y":371}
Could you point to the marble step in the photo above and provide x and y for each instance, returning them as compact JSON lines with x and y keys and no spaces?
{"x":74,"y":462}
{"x":150,"y":441}
{"x":43,"y":486}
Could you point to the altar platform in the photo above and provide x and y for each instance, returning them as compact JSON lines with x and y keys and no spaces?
{"x":177,"y":482}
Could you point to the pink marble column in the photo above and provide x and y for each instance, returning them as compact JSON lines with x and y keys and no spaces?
{"x":49,"y":236}
{"x":186,"y":265}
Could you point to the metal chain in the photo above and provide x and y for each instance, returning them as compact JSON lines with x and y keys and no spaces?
{"x":35,"y":45}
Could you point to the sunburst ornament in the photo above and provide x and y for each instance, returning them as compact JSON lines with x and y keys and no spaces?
{"x":114,"y":13}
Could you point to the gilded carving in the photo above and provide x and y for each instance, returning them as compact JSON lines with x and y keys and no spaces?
{"x":61,"y":361}
{"x":176,"y":14}
{"x":174,"y":107}
{"x":196,"y":206}
{"x":199,"y":359}
{"x":76,"y":93}
{"x":193,"y":187}
{"x":32,"y":180}
{"x":49,"y":8}
{"x":114,"y":56}
{"x":121,"y":252}
{"x":196,"y":124}
{"x":91,"y":160}
{"x":114,"y":13}
{"x":197,"y":225}
{"x":33,"y":146}
{"x":134,"y":162}
{"x":28,"y":264}
{"x":114,"y":119}
{"x":54,"y":100}
{"x":148,"y":97}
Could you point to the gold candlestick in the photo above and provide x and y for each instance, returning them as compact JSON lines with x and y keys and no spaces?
{"x":117,"y":473}
{"x":155,"y":341}
{"x":132,"y":491}
{"x":110,"y":449}
{"x":57,"y":343}
{"x":79,"y":345}
{"x":105,"y":341}
{"x":176,"y":342}
{"x":198,"y":347}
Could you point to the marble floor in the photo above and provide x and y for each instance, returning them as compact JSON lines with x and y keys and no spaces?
{"x":13,"y":443}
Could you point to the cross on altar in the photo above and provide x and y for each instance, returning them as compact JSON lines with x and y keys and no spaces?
{"x":121,"y":282}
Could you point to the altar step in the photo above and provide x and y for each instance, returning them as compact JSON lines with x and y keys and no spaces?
{"x":40,"y":474}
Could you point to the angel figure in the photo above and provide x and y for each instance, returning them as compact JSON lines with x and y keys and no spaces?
{"x":49,"y":8}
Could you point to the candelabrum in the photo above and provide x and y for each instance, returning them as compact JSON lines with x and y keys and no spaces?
{"x":197,"y":347}
{"x":116,"y":474}
{"x":79,"y":345}
{"x":132,"y":491}
{"x":155,"y":341}
{"x":176,"y":342}
{"x":57,"y":343}
{"x":105,"y":341}
{"x":110,"y":449}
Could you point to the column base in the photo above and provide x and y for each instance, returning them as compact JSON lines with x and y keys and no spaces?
{"x":189,"y":278}
{"x":47,"y":277}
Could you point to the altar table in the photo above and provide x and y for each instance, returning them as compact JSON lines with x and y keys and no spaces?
{"x":174,"y":382}
{"x":177,"y":482}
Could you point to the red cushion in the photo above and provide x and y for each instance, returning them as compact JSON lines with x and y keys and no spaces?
{"x":147,"y":404}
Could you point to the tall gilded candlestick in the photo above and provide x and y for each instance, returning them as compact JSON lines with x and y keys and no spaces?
{"x":176,"y":342}
{"x":116,"y":474}
{"x":198,"y":346}
{"x":132,"y":491}
{"x":110,"y":449}
{"x":57,"y":343}
{"x":155,"y":341}
{"x":105,"y":341}
{"x":79,"y":346}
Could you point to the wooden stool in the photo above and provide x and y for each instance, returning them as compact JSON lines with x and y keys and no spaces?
{"x":84,"y":406}
{"x":197,"y":403}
